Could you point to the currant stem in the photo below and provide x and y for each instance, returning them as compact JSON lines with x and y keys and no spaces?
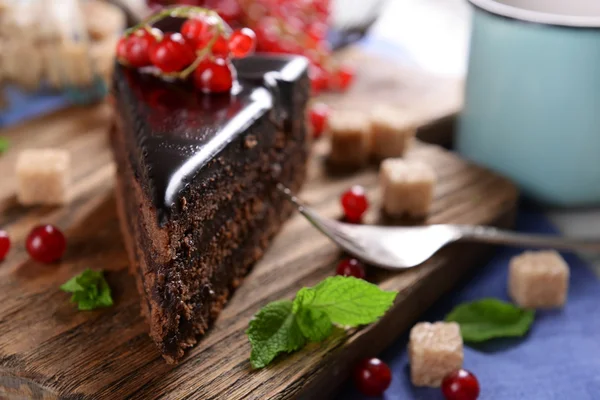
{"x":178,"y":12}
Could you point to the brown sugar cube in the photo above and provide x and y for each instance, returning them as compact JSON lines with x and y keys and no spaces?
{"x":407,"y":187}
{"x":77,"y":68}
{"x":43,"y":177}
{"x":538,"y":279}
{"x":102,"y":20}
{"x":22,"y":64}
{"x":392,"y":133}
{"x":434,"y":350}
{"x":350,"y":138}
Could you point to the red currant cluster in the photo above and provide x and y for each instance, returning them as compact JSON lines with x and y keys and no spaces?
{"x":286,"y":26}
{"x":203,"y":48}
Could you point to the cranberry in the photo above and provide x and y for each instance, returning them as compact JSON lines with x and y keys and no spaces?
{"x":46,"y":243}
{"x":460,"y":385}
{"x":242,"y":42}
{"x":172,"y":53}
{"x":4,"y":244}
{"x":135,"y":49}
{"x":318,"y":114}
{"x":344,"y":77}
{"x":355,"y":203}
{"x":214,"y":76}
{"x":372,"y":377}
{"x":351,"y":267}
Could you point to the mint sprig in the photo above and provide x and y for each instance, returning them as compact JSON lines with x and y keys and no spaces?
{"x":4,"y":144}
{"x":490,"y":318}
{"x":90,"y":290}
{"x":285,"y":326}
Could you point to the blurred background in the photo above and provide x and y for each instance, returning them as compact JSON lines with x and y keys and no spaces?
{"x":59,"y":53}
{"x":46,"y":43}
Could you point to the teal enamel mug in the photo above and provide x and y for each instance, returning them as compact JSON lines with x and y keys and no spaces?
{"x":532,"y":97}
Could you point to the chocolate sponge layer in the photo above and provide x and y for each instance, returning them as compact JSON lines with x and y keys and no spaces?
{"x":188,"y":261}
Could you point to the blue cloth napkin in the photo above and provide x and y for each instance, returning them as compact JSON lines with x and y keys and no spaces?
{"x":558,"y":360}
{"x":23,"y":106}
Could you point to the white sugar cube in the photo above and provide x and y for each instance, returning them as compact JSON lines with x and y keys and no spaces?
{"x":407,"y":187}
{"x":538,"y":279}
{"x":350,"y":138}
{"x":43,"y":177}
{"x":434,"y":350}
{"x":392,"y":133}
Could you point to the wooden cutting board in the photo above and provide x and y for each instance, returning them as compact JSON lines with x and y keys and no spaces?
{"x":50,"y":350}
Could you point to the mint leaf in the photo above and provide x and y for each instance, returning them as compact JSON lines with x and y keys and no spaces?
{"x":490,"y":318}
{"x":90,"y":290}
{"x":4,"y":144}
{"x":285,"y":326}
{"x":314,"y":324}
{"x":272,"y":331}
{"x":347,"y":301}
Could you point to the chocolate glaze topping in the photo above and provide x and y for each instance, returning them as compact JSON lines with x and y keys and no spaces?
{"x":179,"y":130}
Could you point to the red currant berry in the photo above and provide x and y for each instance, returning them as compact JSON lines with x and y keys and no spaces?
{"x":4,"y":244}
{"x":355,"y":203}
{"x":135,"y":49}
{"x":220,"y":48}
{"x":242,"y":42}
{"x":372,"y":376}
{"x":196,"y":31}
{"x":214,"y":76}
{"x":267,"y":34}
{"x":318,"y":114}
{"x":196,"y":3}
{"x":319,"y":79}
{"x":351,"y":267}
{"x":317,"y":31}
{"x":460,"y":385}
{"x":172,"y":53}
{"x":229,"y":10}
{"x":46,"y":243}
{"x":344,"y":77}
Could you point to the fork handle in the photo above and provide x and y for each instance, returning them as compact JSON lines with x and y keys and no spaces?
{"x":493,"y":235}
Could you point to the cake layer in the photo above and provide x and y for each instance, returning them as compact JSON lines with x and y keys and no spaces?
{"x":196,"y":187}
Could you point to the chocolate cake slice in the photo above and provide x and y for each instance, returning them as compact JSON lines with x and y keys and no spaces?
{"x":196,"y":186}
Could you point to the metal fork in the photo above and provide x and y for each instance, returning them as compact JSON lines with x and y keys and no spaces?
{"x":397,"y":248}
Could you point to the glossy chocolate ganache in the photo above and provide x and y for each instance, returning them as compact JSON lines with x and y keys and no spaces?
{"x":179,"y":130}
{"x":196,"y":196}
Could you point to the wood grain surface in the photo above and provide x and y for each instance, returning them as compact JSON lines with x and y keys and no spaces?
{"x":49,"y":350}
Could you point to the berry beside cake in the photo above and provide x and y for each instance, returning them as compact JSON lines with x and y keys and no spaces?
{"x":196,"y":181}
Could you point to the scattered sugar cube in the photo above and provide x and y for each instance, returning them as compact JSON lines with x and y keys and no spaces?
{"x":538,"y":279}
{"x":407,"y":187}
{"x":350,"y":138}
{"x":43,"y":177}
{"x":25,"y":74}
{"x":392,"y":133}
{"x":434,"y":350}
